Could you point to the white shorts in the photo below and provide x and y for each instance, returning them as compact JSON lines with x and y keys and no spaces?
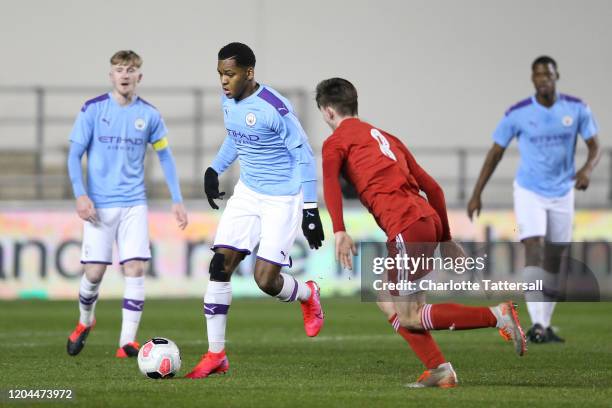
{"x":126,"y":225}
{"x":538,"y":216}
{"x":251,"y":218}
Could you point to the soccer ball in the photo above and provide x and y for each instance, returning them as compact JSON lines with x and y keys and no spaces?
{"x":159,"y":358}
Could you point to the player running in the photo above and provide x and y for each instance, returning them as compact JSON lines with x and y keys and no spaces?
{"x":276,"y":191}
{"x":546,"y":126}
{"x":114,"y":129}
{"x":388,"y":181}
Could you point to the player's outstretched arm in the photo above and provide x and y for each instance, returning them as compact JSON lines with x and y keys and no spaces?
{"x":84,"y":206}
{"x":168,"y":166}
{"x":494,"y":156}
{"x":583,"y":176}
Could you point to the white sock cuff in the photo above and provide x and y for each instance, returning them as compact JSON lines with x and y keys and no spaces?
{"x":137,"y":281}
{"x":290,"y":288}
{"x":219,"y":287}
{"x":88,"y":286}
{"x":134,"y":289}
{"x":219,"y":293}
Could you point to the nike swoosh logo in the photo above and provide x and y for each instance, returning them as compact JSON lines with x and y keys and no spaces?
{"x":210,"y":309}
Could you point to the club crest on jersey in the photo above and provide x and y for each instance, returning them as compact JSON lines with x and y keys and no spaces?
{"x":140,"y":124}
{"x":567,"y":121}
{"x":250,"y":119}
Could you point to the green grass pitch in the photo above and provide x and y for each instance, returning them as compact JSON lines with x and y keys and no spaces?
{"x":357,"y":360}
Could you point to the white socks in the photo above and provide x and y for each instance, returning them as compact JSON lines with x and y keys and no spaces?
{"x":217,"y":301}
{"x":293,"y":289}
{"x":88,"y":295}
{"x":541,"y":304}
{"x":133,"y":303}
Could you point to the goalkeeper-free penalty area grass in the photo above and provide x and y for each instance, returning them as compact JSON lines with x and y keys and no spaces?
{"x":357,"y":359}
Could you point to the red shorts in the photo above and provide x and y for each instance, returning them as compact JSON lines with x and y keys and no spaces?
{"x":419,"y":240}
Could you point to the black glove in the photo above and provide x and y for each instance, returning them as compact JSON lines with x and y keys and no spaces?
{"x":312,"y":227}
{"x":211,"y":187}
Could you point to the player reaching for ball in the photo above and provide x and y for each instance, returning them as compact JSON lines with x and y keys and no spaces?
{"x":276,"y":192}
{"x":388,"y":180}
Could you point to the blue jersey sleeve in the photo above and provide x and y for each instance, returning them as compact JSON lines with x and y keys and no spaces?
{"x":587,"y":126}
{"x":294,"y":135}
{"x":157,"y":128}
{"x":82,"y":130}
{"x":169,"y":168}
{"x":226,"y":156}
{"x":291,"y":132}
{"x":308,"y":171}
{"x":505,"y":131}
{"x":74,"y":168}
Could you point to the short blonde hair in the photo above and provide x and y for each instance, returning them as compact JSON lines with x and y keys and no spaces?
{"x":126,"y":57}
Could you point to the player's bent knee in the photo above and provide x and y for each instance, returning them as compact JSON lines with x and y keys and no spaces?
{"x":217,"y":268}
{"x":387,"y":308}
{"x":95,"y":272}
{"x":134,"y":269}
{"x":410,"y":318}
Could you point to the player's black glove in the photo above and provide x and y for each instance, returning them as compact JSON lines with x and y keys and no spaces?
{"x":312,"y":227}
{"x":211,"y":187}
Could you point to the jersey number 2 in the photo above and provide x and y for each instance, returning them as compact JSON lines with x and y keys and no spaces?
{"x":383,"y":143}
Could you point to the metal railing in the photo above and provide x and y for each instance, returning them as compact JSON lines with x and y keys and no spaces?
{"x":34,"y":163}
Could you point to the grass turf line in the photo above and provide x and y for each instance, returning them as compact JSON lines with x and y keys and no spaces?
{"x":357,"y":360}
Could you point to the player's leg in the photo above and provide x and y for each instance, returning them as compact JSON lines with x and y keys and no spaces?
{"x":281,"y":217}
{"x":237,"y":235}
{"x":217,"y":301}
{"x":553,"y":254}
{"x":418,"y":315}
{"x":560,"y":222}
{"x":530,"y":211}
{"x":88,"y":291}
{"x":96,"y":254}
{"x":535,"y":299}
{"x":420,"y":341}
{"x":218,"y":297}
{"x":439,"y":372}
{"x":134,"y":253}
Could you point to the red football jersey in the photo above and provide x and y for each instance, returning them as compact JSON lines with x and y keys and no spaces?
{"x":384,"y":173}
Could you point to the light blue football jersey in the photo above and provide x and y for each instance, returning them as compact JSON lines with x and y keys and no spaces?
{"x":261,"y":130}
{"x":547,"y":141}
{"x":116,"y":138}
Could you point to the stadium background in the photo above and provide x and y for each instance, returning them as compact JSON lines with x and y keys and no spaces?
{"x":437,"y":74}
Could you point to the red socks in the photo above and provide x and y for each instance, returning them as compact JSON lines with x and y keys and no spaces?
{"x":452,"y":316}
{"x":422,"y":343}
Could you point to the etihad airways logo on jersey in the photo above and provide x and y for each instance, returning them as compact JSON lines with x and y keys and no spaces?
{"x":553,"y":139}
{"x":242,"y":138}
{"x":121,"y":140}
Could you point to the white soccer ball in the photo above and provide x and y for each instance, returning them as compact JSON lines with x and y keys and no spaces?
{"x":159,"y":358}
